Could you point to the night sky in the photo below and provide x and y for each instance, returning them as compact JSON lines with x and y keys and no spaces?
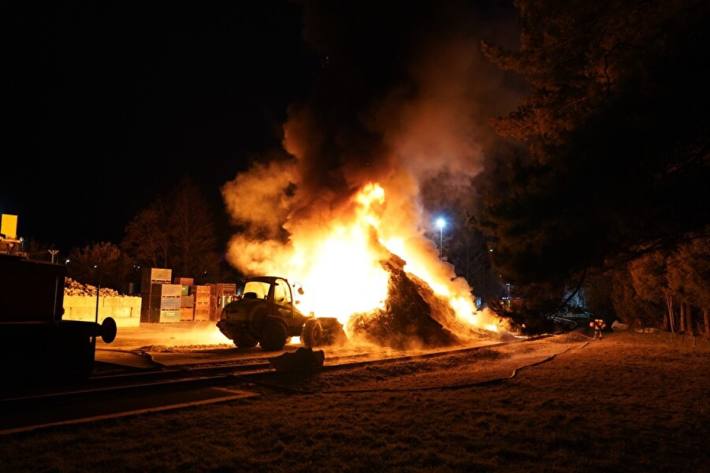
{"x":107,"y":106}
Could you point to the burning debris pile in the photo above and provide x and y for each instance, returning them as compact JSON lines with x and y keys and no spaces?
{"x":75,"y":288}
{"x":409,"y":317}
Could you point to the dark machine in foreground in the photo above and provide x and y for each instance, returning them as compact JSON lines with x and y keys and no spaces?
{"x":266,"y":314}
{"x":35,"y":343}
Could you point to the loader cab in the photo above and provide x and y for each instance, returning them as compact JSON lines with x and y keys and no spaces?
{"x":259,"y":290}
{"x":283,"y":298}
{"x":274,"y":291}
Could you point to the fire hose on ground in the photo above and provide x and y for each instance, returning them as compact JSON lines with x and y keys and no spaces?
{"x":449,"y":387}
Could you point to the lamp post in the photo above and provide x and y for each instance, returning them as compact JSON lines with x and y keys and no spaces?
{"x":54,"y":254}
{"x":98,"y":292}
{"x":441,"y":224}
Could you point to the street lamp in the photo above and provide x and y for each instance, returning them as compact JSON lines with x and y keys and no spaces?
{"x":440,"y":223}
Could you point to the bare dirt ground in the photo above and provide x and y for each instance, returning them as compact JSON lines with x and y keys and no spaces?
{"x":631,"y":402}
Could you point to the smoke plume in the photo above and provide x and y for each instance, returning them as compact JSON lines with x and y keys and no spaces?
{"x":402,"y":95}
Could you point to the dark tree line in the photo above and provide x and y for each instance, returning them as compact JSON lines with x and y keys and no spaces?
{"x":607,"y":160}
{"x":661,"y":288}
{"x":174,"y":231}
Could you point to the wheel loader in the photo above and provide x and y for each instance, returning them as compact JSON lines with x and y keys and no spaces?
{"x":266,"y":314}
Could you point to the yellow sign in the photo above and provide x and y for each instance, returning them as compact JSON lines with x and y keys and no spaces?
{"x":8,"y":226}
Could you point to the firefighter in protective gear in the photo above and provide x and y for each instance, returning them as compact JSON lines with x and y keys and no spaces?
{"x":598,"y":325}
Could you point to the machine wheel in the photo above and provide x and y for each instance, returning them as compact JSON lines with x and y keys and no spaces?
{"x":245,"y":341}
{"x":324,"y":331}
{"x":273,"y":335}
{"x":312,"y":334}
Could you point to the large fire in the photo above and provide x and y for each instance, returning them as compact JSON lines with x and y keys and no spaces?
{"x":340,"y":270}
{"x":342,"y":208}
{"x":336,"y":257}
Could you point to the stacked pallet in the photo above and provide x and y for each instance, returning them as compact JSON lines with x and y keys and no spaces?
{"x":221,"y":295}
{"x":165,"y":303}
{"x":172,"y":300}
{"x":187,"y":298}
{"x":160,"y":298}
{"x":201,"y":302}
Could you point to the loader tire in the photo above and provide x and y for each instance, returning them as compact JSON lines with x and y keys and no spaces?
{"x":245,"y":341}
{"x":273,"y":335}
{"x":312,"y":333}
{"x":322,"y":332}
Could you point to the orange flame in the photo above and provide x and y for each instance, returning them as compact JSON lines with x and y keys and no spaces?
{"x":336,"y":259}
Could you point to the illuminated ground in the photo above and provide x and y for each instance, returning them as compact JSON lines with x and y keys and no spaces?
{"x":182,"y":334}
{"x":171,"y":345}
{"x":631,"y":402}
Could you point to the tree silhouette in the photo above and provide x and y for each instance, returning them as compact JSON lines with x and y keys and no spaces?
{"x":175,"y":231}
{"x":191,"y":231}
{"x":105,"y":259}
{"x":609,"y":154}
{"x":147,"y":238}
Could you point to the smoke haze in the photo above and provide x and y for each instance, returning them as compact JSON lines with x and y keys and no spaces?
{"x":402,"y":95}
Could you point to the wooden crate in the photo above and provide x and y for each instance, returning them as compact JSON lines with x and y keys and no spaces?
{"x":152,"y":276}
{"x":187,"y":314}
{"x":152,"y":281}
{"x":202,"y":314}
{"x":187,"y":301}
{"x":184,"y":281}
{"x":169,"y":316}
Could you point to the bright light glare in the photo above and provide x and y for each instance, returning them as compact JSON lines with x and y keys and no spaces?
{"x":440,"y":223}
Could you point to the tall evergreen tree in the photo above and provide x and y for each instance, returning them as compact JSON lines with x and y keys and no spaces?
{"x":609,"y":154}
